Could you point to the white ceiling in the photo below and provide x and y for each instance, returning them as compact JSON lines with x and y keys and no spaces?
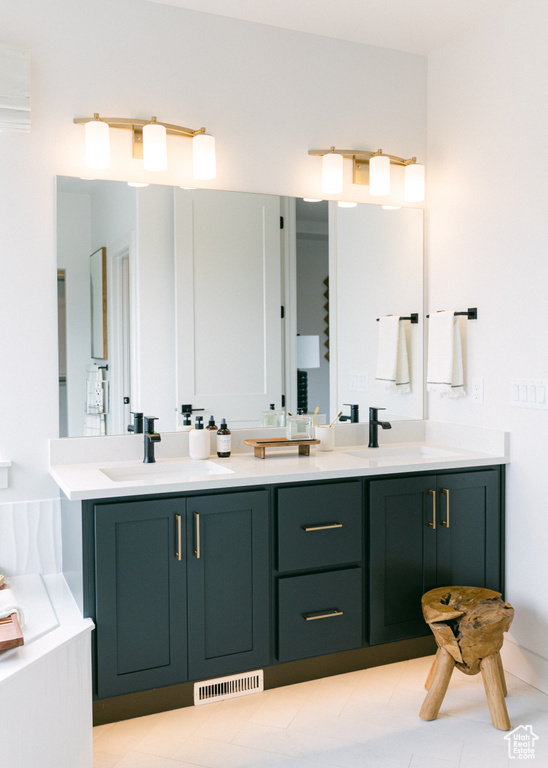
{"x":415,"y":26}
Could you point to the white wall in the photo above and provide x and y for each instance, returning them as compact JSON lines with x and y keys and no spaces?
{"x":268,"y":95}
{"x":487,"y":203}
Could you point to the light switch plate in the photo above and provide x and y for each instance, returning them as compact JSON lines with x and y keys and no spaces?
{"x":529,"y":393}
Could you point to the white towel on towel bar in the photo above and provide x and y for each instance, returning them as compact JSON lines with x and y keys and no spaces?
{"x":392,"y":363}
{"x":445,"y":372}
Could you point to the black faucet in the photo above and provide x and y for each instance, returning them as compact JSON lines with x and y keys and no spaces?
{"x":137,"y":426}
{"x":354,"y":414}
{"x":151,"y":437}
{"x":374,"y":425}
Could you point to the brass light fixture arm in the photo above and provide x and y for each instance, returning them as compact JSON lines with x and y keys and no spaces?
{"x":362,"y":155}
{"x":129,"y":123}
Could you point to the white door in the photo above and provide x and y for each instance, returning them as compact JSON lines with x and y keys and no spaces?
{"x":228,"y":299}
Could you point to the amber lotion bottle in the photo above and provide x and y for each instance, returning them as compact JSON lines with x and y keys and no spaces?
{"x":224,"y":441}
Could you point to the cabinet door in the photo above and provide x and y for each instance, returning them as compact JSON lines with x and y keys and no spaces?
{"x":140,"y":595}
{"x":468,"y":531}
{"x":403,"y":556}
{"x":228,"y":583}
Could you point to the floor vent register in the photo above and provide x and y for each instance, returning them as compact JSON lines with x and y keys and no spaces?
{"x":228,"y":687}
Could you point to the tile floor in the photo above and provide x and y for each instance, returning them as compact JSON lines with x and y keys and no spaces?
{"x":364,"y":719}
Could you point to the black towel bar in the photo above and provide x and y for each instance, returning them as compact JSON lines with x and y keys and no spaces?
{"x":413,"y":318}
{"x":471,"y":313}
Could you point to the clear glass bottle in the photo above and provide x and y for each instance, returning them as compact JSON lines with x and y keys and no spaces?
{"x":272,"y":417}
{"x":299,"y":427}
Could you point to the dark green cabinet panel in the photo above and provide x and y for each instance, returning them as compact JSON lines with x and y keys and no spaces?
{"x":319,"y":525}
{"x":468,"y":548}
{"x":319,"y":613}
{"x":228,"y":583}
{"x":403,"y":556}
{"x":429,"y":531}
{"x":140,"y":596}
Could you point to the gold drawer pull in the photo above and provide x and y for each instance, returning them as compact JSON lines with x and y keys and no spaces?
{"x":433,"y":523}
{"x":178,"y":553}
{"x":445,"y":522}
{"x":322,"y":527}
{"x":328,"y":615}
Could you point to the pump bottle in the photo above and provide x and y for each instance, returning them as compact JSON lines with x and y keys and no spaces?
{"x":224,"y":441}
{"x":198,"y":441}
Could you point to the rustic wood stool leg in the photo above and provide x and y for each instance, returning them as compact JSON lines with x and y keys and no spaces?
{"x":501,"y":673}
{"x":442,"y":675}
{"x":432,"y":671}
{"x":494,"y":691}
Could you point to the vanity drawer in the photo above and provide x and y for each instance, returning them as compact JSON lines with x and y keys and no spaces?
{"x":319,"y":613}
{"x":319,"y":526}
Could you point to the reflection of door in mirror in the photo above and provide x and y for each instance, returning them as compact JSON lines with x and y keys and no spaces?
{"x":228,"y":299}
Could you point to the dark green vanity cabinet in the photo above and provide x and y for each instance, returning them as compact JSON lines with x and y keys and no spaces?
{"x":428,"y":531}
{"x":319,"y":556}
{"x":298,"y":579}
{"x":181,"y":589}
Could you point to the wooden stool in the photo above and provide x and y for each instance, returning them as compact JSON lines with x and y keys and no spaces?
{"x":468,"y":624}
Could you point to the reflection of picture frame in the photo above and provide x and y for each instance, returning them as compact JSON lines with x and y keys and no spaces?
{"x":98,"y":286}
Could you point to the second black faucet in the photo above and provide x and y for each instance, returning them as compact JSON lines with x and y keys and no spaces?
{"x":374,"y":425}
{"x":151,"y":437}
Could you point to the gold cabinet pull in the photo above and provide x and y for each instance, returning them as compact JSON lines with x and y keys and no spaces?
{"x":322,"y":527}
{"x":197,"y":523}
{"x":320,"y":615}
{"x":433,"y":523}
{"x":178,"y":553}
{"x":445,"y":522}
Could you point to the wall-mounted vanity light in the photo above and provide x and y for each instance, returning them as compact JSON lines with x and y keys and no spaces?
{"x":149,"y":143}
{"x":371,"y":169}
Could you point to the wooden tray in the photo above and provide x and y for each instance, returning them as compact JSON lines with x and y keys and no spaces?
{"x":260,"y":445}
{"x":11,"y":635}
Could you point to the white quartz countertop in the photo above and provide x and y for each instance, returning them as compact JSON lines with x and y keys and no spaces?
{"x":110,"y":479}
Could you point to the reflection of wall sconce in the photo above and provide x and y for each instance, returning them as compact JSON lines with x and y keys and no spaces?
{"x":149,"y":143}
{"x":372,"y":169}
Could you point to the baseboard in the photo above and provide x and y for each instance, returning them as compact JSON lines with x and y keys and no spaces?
{"x":182,"y":695}
{"x":525,"y":664}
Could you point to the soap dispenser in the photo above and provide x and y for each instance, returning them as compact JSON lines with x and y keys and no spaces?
{"x":186,"y":426}
{"x":198,"y":440}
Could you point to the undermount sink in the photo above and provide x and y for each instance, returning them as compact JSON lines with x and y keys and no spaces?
{"x":164,"y":471}
{"x":402,"y":453}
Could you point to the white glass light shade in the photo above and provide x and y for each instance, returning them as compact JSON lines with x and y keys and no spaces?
{"x":203,"y":156}
{"x":97,"y":144}
{"x":332,"y":173}
{"x":379,"y":175}
{"x":154,"y":147}
{"x":414,"y":183}
{"x":344,"y":204}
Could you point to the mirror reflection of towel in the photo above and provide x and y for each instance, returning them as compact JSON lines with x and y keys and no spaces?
{"x":445,"y":372}
{"x":392,"y":363}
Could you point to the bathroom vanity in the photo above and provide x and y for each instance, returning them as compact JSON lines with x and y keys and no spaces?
{"x":299,"y":566}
